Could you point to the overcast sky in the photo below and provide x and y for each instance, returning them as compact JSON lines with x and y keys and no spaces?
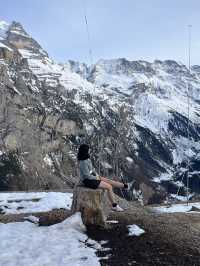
{"x":135,"y":29}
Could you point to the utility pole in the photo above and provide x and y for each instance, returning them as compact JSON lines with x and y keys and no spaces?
{"x":188,"y":109}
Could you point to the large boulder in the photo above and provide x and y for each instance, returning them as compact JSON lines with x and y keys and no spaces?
{"x":93,"y":205}
{"x":152,"y":195}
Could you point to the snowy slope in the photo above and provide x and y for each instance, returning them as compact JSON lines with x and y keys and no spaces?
{"x":158,"y":92}
{"x":164,"y":87}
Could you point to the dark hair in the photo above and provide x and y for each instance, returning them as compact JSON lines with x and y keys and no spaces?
{"x":83,"y":152}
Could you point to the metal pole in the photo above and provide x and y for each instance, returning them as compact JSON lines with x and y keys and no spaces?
{"x":188,"y":109}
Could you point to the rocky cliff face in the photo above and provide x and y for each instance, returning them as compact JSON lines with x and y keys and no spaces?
{"x":134,"y":114}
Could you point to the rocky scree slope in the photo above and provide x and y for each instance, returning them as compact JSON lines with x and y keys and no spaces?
{"x":134,"y":114}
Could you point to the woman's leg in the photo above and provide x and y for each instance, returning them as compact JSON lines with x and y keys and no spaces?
{"x":111,"y":182}
{"x":108,"y":187}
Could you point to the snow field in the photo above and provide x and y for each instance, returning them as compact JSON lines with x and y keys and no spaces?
{"x":57,"y":245}
{"x":15,"y":203}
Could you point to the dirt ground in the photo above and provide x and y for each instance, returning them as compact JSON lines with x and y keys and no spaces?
{"x":145,"y":250}
{"x":169,"y":239}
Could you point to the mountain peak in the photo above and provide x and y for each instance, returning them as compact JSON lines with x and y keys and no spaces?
{"x":17,"y":29}
{"x":15,"y":35}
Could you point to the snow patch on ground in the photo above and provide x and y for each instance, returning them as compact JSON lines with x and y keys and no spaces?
{"x":181,"y":198}
{"x":60,"y":244}
{"x":135,"y":230}
{"x":32,"y":219}
{"x":21,"y":202}
{"x":176,"y":208}
{"x":112,"y":222}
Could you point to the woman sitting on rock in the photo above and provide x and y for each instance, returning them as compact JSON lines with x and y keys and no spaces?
{"x":90,"y":179}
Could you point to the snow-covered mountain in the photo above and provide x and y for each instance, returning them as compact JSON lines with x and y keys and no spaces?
{"x":133,"y":113}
